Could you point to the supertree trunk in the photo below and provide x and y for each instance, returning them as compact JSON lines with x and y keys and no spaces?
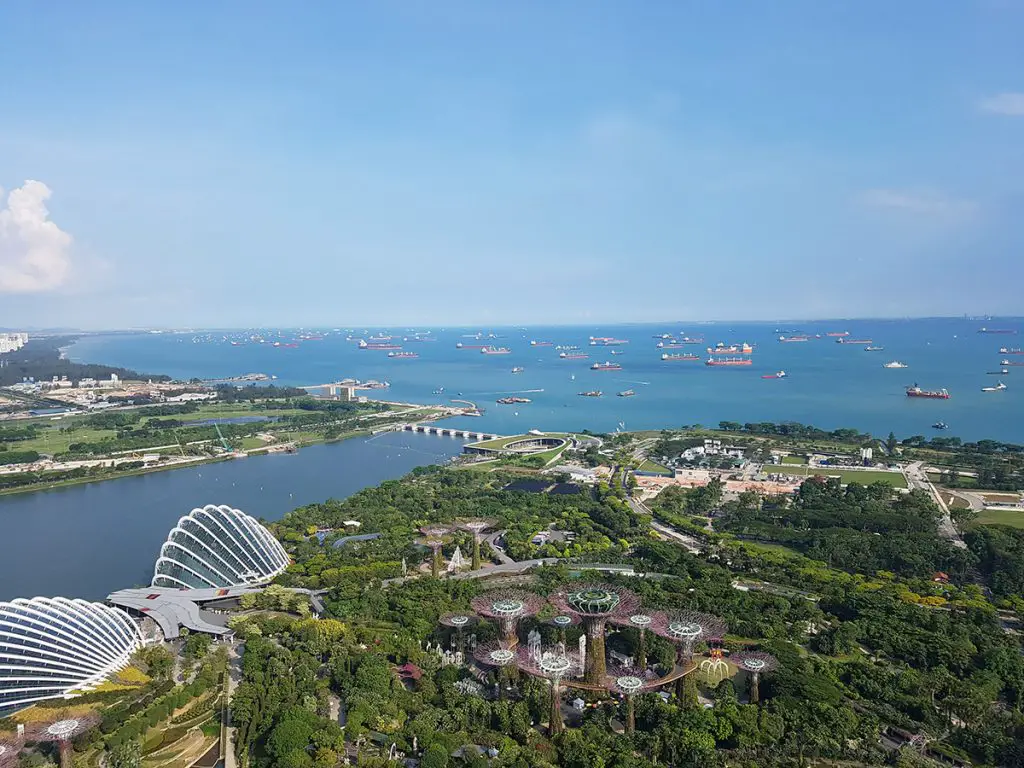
{"x":476,"y":553}
{"x":641,"y":651}
{"x":595,"y":670}
{"x":630,"y":715}
{"x":555,"y":725}
{"x":755,"y":692}
{"x":435,"y":564}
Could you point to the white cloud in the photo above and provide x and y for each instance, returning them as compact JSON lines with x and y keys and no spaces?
{"x":34,"y":252}
{"x":925,"y":202}
{"x":1004,"y":104}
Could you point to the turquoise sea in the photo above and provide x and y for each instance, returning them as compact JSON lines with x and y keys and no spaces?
{"x":829,"y":385}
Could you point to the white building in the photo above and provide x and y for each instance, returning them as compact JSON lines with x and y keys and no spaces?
{"x":12,"y":342}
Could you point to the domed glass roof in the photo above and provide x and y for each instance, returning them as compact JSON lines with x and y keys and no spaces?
{"x":218,"y":546}
{"x":50,"y":646}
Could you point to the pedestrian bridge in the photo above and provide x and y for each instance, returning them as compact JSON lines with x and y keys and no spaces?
{"x":448,"y":432}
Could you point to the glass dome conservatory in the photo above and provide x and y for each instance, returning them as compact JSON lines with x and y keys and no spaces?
{"x":50,"y":647}
{"x":218,"y":546}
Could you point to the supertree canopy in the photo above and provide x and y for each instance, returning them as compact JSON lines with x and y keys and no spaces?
{"x":595,"y":604}
{"x":690,"y":627}
{"x":754,"y":663}
{"x":62,"y":729}
{"x":555,"y":665}
{"x":507,"y":606}
{"x":458,"y":622}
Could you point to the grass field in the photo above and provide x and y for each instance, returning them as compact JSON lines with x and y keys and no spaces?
{"x":864,"y":477}
{"x":653,"y":466}
{"x":1011,"y":517}
{"x":1001,"y":498}
{"x":794,"y":460}
{"x":501,"y":442}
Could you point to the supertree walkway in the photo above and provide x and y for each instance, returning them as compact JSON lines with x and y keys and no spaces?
{"x":754,"y":663}
{"x":594,"y":604}
{"x":686,"y":629}
{"x":507,"y":607}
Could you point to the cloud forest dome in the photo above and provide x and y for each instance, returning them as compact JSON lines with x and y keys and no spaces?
{"x":218,"y":546}
{"x":50,"y":646}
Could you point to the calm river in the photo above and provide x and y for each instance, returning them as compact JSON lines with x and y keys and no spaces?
{"x":89,"y":540}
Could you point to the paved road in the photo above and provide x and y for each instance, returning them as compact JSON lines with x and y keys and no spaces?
{"x":501,"y":554}
{"x":918,"y":478}
{"x":234,"y":676}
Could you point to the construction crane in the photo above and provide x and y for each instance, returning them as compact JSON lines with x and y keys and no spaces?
{"x":223,"y":440}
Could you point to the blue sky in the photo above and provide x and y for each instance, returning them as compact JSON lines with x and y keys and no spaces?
{"x":244,"y":163}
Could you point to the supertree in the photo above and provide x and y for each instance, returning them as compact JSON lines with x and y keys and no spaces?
{"x":754,"y":663}
{"x":553,"y":665}
{"x":507,"y":607}
{"x":61,"y":732}
{"x":641,"y":622}
{"x":714,"y":666}
{"x":495,"y":654}
{"x":686,"y":629}
{"x":434,"y":537}
{"x":562,"y":622}
{"x":628,"y":682}
{"x":458,"y":622}
{"x":476,"y":527}
{"x":595,"y":604}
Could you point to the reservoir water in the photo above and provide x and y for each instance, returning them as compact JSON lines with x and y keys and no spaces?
{"x":89,"y":540}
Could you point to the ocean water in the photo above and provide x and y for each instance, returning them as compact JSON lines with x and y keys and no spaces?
{"x":829,"y":385}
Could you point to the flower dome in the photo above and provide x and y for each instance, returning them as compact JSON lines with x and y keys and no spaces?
{"x":218,"y":546}
{"x":52,"y":646}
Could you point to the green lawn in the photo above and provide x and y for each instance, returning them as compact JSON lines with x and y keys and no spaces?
{"x":653,"y":466}
{"x":864,"y":477}
{"x":794,"y":460}
{"x":1011,"y":517}
{"x":501,"y":442}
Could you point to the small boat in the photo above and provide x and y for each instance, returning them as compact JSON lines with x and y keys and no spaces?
{"x":591,"y":393}
{"x":873,"y":349}
{"x":626,"y":393}
{"x":895,"y":364}
{"x":779,"y":375}
{"x":540,"y":343}
{"x":518,"y":369}
{"x":439,"y":391}
{"x":940,"y":425}
{"x":997,"y":388}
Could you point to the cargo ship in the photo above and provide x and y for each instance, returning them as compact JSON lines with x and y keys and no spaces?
{"x":567,"y":347}
{"x":933,"y":394}
{"x":779,"y":375}
{"x":379,"y":339}
{"x":496,"y":351}
{"x":404,"y":355}
{"x":626,"y":393}
{"x":729,"y":361}
{"x":670,"y":345}
{"x":894,"y":364}
{"x":1000,"y":372}
{"x":606,"y":366}
{"x":853,"y":341}
{"x":616,"y":351}
{"x":873,"y":349}
{"x":591,"y":393}
{"x":732,"y":349}
{"x":688,"y":340}
{"x":573,"y":355}
{"x":512,"y":400}
{"x":1011,"y":351}
{"x":1009,"y":362}
{"x":667,"y":357}
{"x":460,"y":345}
{"x":794,"y":338}
{"x":997,"y":388}
{"x":940,"y":425}
{"x":607,"y":341}
{"x":366,"y":345}
{"x":540,"y":343}
{"x":838,"y":334}
{"x":1004,"y":331}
